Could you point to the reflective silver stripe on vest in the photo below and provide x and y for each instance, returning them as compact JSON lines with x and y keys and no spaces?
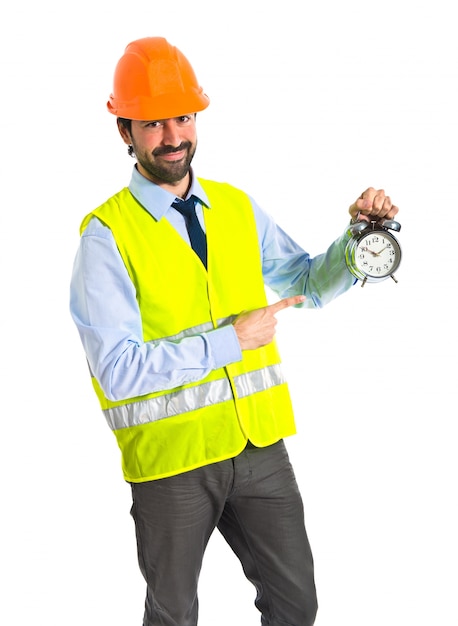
{"x":192,"y":398}
{"x":196,"y":330}
{"x":259,"y":380}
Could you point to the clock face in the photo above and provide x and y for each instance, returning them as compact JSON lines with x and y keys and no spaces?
{"x":377,"y":254}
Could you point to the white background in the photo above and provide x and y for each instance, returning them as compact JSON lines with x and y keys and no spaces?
{"x":310,"y":104}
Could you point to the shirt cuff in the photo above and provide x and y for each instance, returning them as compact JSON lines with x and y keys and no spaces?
{"x":224,"y":346}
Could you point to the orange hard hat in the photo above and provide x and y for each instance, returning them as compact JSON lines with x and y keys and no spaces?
{"x":153,"y":80}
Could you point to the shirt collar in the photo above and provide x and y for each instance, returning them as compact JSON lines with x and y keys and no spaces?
{"x":157,"y":200}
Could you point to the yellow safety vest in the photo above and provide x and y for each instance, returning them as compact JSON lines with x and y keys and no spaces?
{"x":170,"y":432}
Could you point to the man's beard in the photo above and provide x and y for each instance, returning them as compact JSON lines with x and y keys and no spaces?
{"x":167,"y":172}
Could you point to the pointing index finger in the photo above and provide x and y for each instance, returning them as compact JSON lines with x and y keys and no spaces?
{"x":285,"y":303}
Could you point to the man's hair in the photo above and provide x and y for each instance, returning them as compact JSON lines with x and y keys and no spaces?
{"x":125,"y":122}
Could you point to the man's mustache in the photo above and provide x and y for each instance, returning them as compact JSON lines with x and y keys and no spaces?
{"x":171,"y":150}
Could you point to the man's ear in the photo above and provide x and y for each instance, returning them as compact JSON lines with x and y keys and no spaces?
{"x":124,"y":132}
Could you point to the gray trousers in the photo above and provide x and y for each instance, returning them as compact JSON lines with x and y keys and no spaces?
{"x":254,"y":501}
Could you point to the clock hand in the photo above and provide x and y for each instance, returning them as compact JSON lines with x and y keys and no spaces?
{"x":366,"y":249}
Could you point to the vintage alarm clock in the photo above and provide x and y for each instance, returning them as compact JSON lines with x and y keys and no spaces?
{"x":373,"y":252}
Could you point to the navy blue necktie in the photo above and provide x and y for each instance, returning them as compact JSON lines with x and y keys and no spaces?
{"x":196,"y":234}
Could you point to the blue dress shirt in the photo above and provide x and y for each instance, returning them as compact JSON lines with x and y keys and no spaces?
{"x":105,"y":310}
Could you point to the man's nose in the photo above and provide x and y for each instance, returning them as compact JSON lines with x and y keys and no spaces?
{"x":171,"y":135}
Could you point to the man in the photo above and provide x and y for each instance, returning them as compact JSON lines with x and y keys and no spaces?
{"x":180,"y":344}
